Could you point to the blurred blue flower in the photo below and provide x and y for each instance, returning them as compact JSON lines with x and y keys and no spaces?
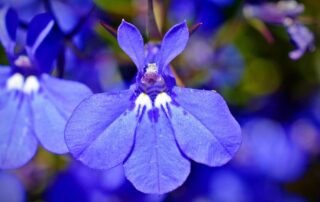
{"x":92,"y":64}
{"x":154,"y":127}
{"x":229,"y":185}
{"x":223,"y":66}
{"x":33,"y":105}
{"x":80,"y":183}
{"x":305,"y":133}
{"x":228,"y":66}
{"x":285,"y":13}
{"x":267,"y":150}
{"x":12,"y":189}
{"x":209,"y":12}
{"x":67,"y":13}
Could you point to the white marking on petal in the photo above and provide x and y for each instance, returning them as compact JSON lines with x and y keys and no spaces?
{"x":162,"y":99}
{"x":41,"y":36}
{"x":141,"y":101}
{"x":15,"y":82}
{"x":31,"y":85}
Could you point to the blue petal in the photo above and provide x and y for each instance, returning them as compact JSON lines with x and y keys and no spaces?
{"x":156,"y":164}
{"x":12,"y":189}
{"x":204,"y":127}
{"x":43,"y":41}
{"x":65,"y":94}
{"x":66,"y":187}
{"x":173,"y":43}
{"x":69,"y":13}
{"x":302,"y":38}
{"x":17,"y":141}
{"x":269,"y":150}
{"x":51,"y":109}
{"x":4,"y":75}
{"x":100,"y":132}
{"x":8,"y":29}
{"x":131,"y":42}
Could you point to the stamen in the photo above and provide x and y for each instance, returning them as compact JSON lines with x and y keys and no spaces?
{"x":23,"y":61}
{"x":152,"y":68}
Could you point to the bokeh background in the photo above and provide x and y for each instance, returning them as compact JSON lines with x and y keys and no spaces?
{"x":275,"y":99}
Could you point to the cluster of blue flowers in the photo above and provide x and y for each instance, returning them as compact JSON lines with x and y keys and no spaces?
{"x":150,"y":132}
{"x":153,"y":128}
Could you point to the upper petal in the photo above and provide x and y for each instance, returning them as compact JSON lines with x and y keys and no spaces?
{"x":69,"y":13}
{"x":156,"y":164}
{"x":17,"y":141}
{"x":131,"y":42}
{"x":51,"y":109}
{"x":204,"y":127}
{"x":43,"y":41}
{"x":101,"y":129}
{"x":173,"y":43}
{"x":8,"y":29}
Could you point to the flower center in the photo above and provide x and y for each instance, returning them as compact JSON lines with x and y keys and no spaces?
{"x":27,"y":85}
{"x":152,"y":83}
{"x":23,"y":61}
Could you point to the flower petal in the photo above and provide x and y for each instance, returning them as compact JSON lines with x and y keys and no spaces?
{"x":131,"y":42}
{"x":17,"y":141}
{"x":204,"y":127}
{"x":8,"y":29}
{"x":156,"y":165}
{"x":11,"y":188}
{"x":100,"y":132}
{"x":68,"y":14}
{"x":43,"y":41}
{"x":65,"y":94}
{"x":51,"y":109}
{"x":302,"y":38}
{"x":4,"y":75}
{"x":173,"y":43}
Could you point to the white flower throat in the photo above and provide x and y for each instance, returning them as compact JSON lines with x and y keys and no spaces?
{"x":153,"y":90}
{"x":27,"y":85}
{"x":17,"y":81}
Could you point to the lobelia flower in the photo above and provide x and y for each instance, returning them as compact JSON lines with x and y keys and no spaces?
{"x":154,"y":127}
{"x":34,"y":106}
{"x":285,"y":13}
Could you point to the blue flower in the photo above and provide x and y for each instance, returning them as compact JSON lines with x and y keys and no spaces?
{"x":262,"y":137}
{"x":285,"y":13}
{"x":154,"y":127}
{"x":34,"y":106}
{"x":210,"y":12}
{"x":67,"y":13}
